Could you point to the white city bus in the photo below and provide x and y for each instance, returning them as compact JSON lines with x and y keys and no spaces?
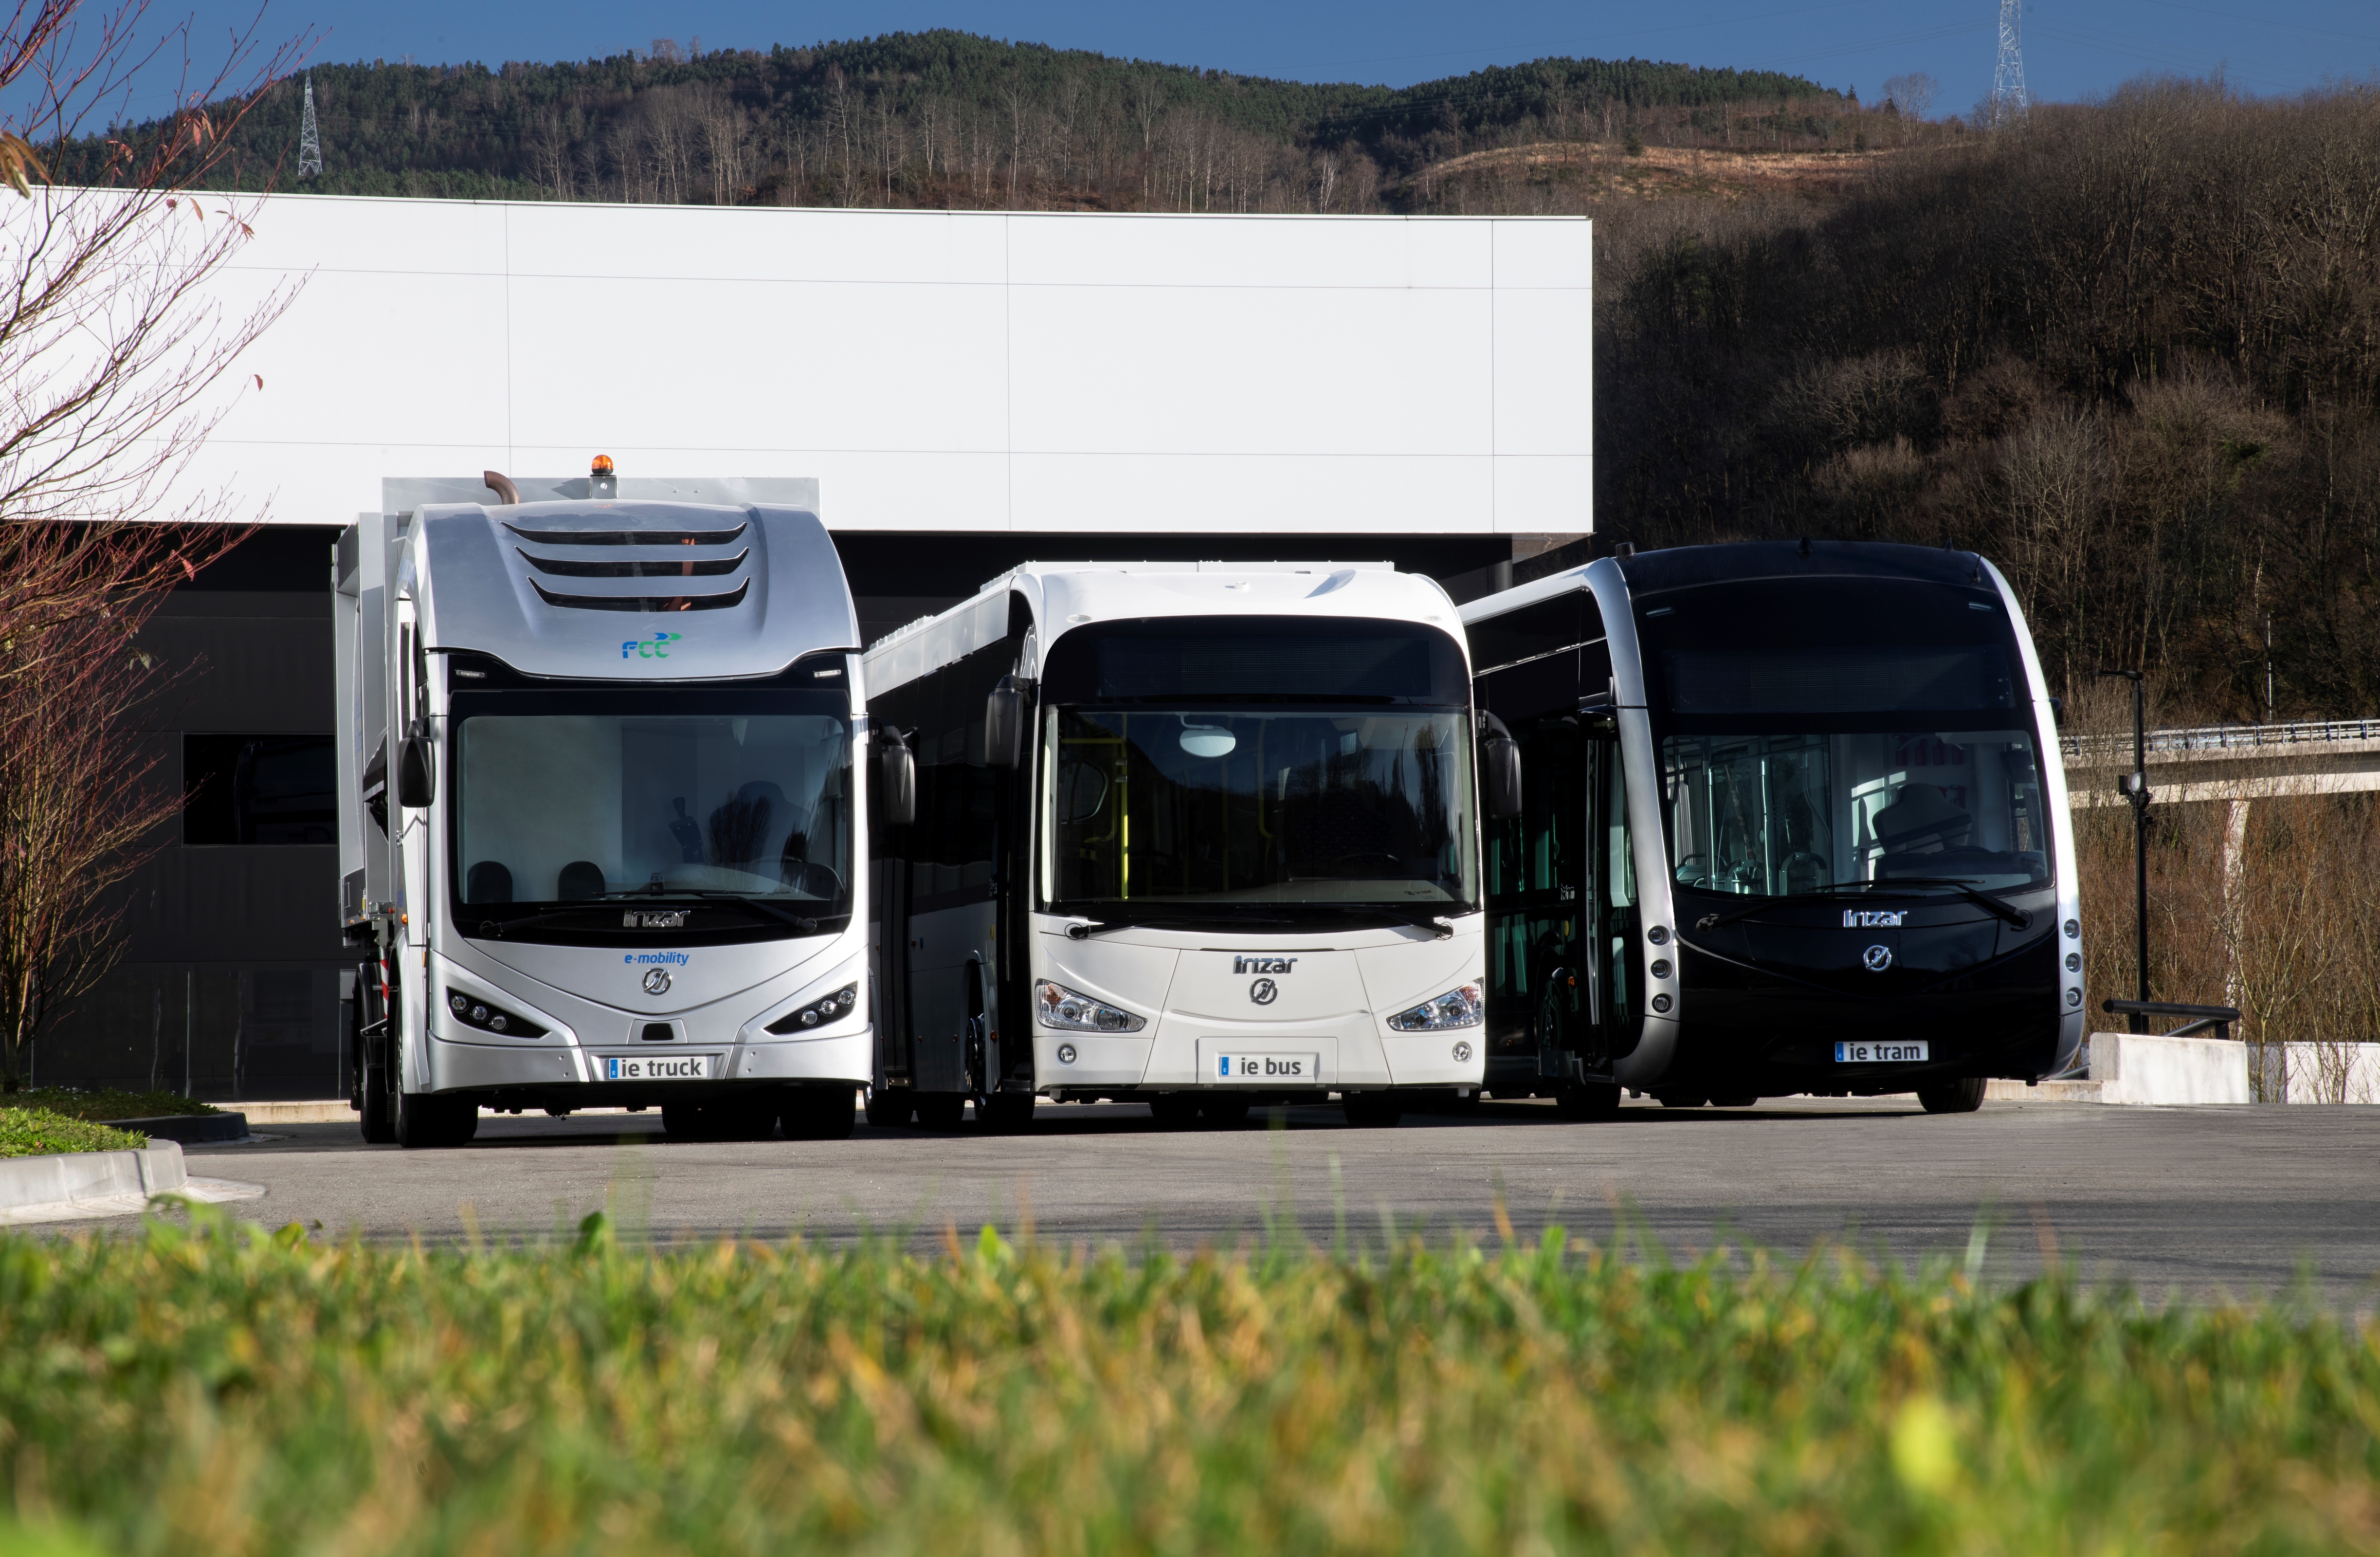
{"x":1201,"y":837}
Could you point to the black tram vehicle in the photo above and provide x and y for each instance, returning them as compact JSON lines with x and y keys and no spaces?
{"x":1793,"y":822}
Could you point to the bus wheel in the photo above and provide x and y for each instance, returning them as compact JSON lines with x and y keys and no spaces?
{"x":1747,"y":1100}
{"x":1225,"y":1114}
{"x":1681,"y":1100}
{"x":889,"y":1107}
{"x":380,"y":1122}
{"x":1963,"y":1096}
{"x":1005,"y":1113}
{"x":940,"y":1110}
{"x":1372,"y":1110}
{"x":1588,"y":1100}
{"x":818,"y":1113}
{"x":1175,"y":1111}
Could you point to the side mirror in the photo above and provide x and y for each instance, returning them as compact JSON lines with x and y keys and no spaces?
{"x":1003,"y":723}
{"x":900,"y":776}
{"x":415,"y":785}
{"x":1500,"y":776}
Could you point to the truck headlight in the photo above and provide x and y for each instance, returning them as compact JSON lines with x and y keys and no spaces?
{"x":818,"y":1013}
{"x":1456,"y":1008}
{"x":1058,"y":1007}
{"x":479,"y":1013}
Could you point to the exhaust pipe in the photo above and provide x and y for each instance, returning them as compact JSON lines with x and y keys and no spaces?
{"x":502,"y":485}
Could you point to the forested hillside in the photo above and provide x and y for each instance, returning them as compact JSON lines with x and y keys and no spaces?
{"x":949,"y":119}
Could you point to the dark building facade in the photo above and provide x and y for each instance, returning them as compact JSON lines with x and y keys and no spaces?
{"x":229,"y":985}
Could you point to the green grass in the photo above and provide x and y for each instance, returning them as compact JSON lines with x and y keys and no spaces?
{"x":37,"y":1132}
{"x":231,"y":1391}
{"x":104,"y":1102}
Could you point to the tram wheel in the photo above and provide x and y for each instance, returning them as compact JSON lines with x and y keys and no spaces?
{"x":1374,"y":1110}
{"x":1588,"y":1100}
{"x":1175,"y":1111}
{"x":1963,"y":1096}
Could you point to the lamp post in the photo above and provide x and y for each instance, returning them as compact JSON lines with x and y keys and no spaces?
{"x":2135,"y":786}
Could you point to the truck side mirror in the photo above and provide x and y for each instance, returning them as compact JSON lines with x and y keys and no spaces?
{"x":1003,"y":723}
{"x":414,"y":785}
{"x":900,"y":776}
{"x":1501,"y":755}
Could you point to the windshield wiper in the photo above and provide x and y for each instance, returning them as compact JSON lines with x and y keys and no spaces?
{"x":743,"y":900}
{"x":1438,"y":925}
{"x":1995,"y":906}
{"x":1080,"y":929}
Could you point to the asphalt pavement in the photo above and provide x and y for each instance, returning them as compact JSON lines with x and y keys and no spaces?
{"x":2193,"y":1201}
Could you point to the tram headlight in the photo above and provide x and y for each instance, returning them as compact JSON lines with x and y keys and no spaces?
{"x":1058,"y":1007}
{"x":818,"y":1013}
{"x":1460,"y":1007}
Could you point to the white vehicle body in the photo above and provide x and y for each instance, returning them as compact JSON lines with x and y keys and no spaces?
{"x":632,"y":870}
{"x":1118,"y":888}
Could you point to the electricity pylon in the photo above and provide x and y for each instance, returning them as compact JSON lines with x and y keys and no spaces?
{"x":309,"y":140}
{"x":2009,"y":105}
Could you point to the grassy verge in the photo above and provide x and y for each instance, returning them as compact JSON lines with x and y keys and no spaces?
{"x":37,"y":1132}
{"x":231,"y":1391}
{"x":104,"y":1103}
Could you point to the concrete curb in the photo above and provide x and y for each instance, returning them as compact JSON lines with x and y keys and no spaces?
{"x":79,"y":1186}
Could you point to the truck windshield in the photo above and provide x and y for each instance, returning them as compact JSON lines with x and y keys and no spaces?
{"x":1839,"y":734}
{"x":698,"y":794}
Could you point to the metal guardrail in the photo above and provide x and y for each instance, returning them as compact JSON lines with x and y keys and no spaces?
{"x":2227,"y":737}
{"x":2219,"y":1017}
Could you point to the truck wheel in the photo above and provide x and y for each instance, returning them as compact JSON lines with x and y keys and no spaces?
{"x":1587,"y":1099}
{"x":1374,"y":1110}
{"x":425,"y":1120}
{"x":1005,"y":1113}
{"x":1225,"y":1114}
{"x":940,"y":1110}
{"x":890,"y":1107}
{"x":379,"y":1115}
{"x":819,"y":1112}
{"x":1175,"y":1111}
{"x":1963,"y":1096}
{"x":1681,"y":1100}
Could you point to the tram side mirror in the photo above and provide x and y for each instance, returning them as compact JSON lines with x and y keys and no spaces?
{"x":1003,"y":723}
{"x":1501,"y":759}
{"x":900,"y":778}
{"x":414,"y":785}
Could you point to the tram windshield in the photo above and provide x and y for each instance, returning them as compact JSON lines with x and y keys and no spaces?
{"x":1816,"y":736}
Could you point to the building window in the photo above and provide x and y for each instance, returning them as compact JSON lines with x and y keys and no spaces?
{"x":259,"y":789}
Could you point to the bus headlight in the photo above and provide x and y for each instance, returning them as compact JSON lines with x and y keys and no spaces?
{"x":1058,"y":1007}
{"x":1456,"y":1008}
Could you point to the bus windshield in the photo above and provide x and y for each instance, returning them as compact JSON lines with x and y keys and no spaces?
{"x":1839,"y":734}
{"x":1215,"y":806}
{"x":561,"y":798}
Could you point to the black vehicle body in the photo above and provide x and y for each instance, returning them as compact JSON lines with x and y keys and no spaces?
{"x":1790,"y":811}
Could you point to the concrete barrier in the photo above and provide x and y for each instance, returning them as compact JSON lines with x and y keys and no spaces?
{"x":2142,"y":1068}
{"x":73,"y":1176}
{"x":2322,"y":1073}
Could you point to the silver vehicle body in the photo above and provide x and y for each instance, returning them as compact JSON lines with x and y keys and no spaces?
{"x":444,"y":593}
{"x":966,"y":925}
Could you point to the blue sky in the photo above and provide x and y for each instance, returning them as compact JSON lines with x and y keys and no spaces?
{"x":2072,"y":48}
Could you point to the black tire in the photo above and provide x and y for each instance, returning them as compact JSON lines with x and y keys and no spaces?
{"x":1747,"y":1100}
{"x":1175,"y":1111}
{"x":1587,"y":1099}
{"x":1963,"y":1096}
{"x":1005,"y":1113}
{"x":1374,"y":1110}
{"x":889,"y":1107}
{"x":941,"y":1110}
{"x":379,"y":1113}
{"x":427,"y":1122}
{"x":1225,"y":1114}
{"x":1681,"y":1100}
{"x":819,"y":1112}
{"x":749,"y":1115}
{"x":687,"y":1121}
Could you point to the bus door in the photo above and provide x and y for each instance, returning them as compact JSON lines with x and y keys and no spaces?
{"x":1536,"y":872}
{"x":1613,"y":1000}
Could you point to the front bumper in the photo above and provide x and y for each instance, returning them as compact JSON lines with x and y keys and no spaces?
{"x":558,"y":1071}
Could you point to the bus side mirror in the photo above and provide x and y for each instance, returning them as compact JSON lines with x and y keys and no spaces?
{"x":899,"y":780}
{"x":1503,"y":761}
{"x":415,"y":787}
{"x":1003,"y":723}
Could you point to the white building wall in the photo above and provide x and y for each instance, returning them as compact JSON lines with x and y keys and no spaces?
{"x":935,"y":370}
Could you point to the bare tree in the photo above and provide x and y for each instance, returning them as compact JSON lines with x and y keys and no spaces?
{"x":111,"y":347}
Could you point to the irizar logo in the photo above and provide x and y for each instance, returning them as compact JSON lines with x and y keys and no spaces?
{"x":653,"y":648}
{"x":1264,"y":964}
{"x":1878,"y":918}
